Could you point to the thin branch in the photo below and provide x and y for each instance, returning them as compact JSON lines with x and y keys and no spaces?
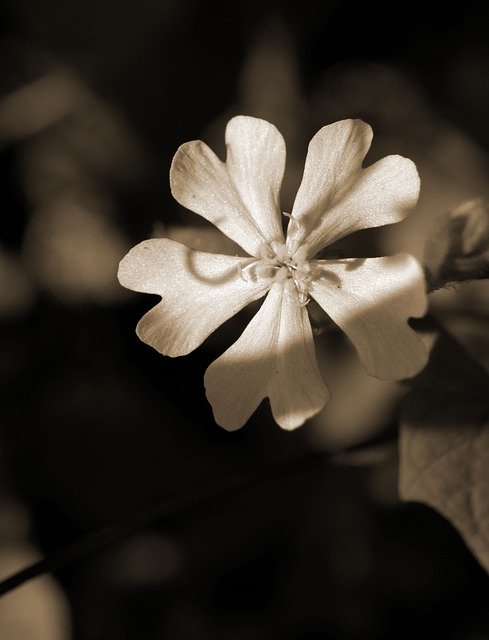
{"x":171,"y":506}
{"x":160,"y":511}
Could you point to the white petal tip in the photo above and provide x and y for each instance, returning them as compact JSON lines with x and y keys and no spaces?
{"x":293,"y":422}
{"x":150,"y":332}
{"x":291,"y":425}
{"x":126,"y":269}
{"x":229,"y":427}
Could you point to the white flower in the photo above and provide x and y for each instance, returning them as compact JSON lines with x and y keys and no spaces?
{"x":369,"y":299}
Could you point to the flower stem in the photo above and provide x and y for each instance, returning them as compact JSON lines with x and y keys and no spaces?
{"x":169,"y":507}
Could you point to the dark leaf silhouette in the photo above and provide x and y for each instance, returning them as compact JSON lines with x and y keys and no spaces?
{"x":444,"y":443}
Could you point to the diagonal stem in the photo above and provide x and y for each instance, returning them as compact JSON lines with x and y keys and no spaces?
{"x":169,"y":507}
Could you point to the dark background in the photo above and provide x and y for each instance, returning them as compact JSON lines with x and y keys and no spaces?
{"x":95,"y":426}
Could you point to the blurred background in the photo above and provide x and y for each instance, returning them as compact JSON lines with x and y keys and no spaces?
{"x":96,"y":96}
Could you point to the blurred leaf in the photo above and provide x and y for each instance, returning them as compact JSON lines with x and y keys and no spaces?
{"x":16,"y":289}
{"x":72,"y":248}
{"x":444,"y":443}
{"x":458,"y":247}
{"x":38,"y":105}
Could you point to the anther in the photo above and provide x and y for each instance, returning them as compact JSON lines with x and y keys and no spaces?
{"x":292,"y":220}
{"x":249,"y":272}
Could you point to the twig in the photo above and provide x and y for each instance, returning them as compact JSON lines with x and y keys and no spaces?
{"x":162,"y":510}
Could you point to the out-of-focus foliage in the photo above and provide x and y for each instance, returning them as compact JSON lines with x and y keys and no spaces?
{"x":93,"y":426}
{"x":16,"y":289}
{"x":76,"y":150}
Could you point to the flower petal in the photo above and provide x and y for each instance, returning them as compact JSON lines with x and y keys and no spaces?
{"x":274,"y":357}
{"x":199,"y":292}
{"x":371,"y":300}
{"x":202,"y":238}
{"x":240,"y":196}
{"x":337,"y":196}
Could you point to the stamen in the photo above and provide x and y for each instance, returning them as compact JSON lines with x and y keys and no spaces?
{"x":277,"y":264}
{"x":244,"y":271}
{"x":292,"y":220}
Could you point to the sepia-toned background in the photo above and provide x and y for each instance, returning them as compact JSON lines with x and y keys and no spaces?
{"x":96,"y":96}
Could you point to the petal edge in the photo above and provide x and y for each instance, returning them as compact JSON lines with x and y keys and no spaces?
{"x":274,"y":357}
{"x":199,"y":292}
{"x":239,"y":196}
{"x":371,"y":300}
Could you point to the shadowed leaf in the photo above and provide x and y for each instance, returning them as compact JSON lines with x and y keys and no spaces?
{"x":444,"y":443}
{"x":458,"y":247}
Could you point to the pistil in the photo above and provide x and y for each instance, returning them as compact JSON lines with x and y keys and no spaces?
{"x":277,"y":265}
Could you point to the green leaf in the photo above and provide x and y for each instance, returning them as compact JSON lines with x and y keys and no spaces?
{"x":444,"y":442}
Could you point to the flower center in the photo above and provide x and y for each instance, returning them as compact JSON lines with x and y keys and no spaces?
{"x":277,"y":264}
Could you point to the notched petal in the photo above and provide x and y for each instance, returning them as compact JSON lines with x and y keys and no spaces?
{"x":372,"y":300}
{"x":275,"y":358}
{"x":239,"y":196}
{"x":338,"y":196}
{"x":199,"y":292}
